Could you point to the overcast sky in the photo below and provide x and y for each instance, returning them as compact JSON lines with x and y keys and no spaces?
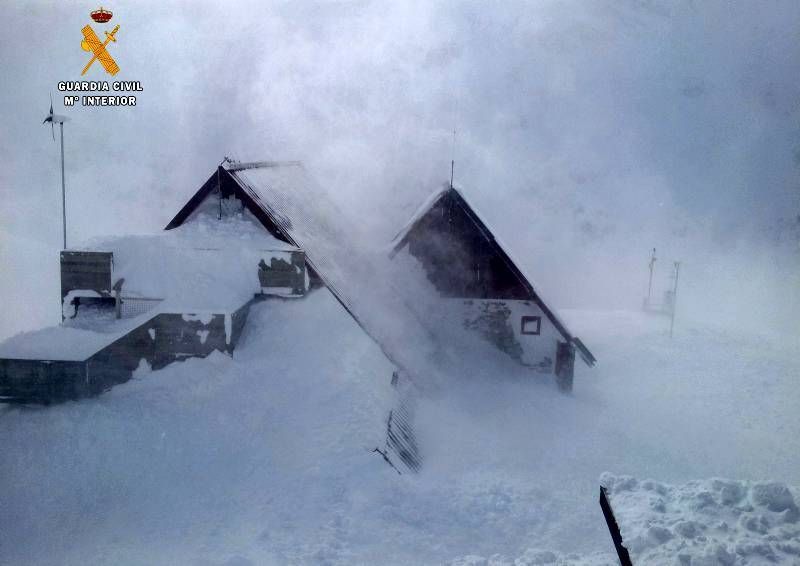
{"x":587,"y":131}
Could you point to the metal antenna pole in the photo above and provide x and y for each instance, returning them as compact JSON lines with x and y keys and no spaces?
{"x":453,"y":160}
{"x":53,"y":118}
{"x":63,"y":189}
{"x":674,"y":298}
{"x":650,"y":282}
{"x":452,"y":166}
{"x":219,"y":188}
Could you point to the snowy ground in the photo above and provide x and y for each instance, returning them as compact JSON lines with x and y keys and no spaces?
{"x":265,"y":458}
{"x":714,"y":521}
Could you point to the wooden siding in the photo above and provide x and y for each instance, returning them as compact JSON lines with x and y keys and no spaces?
{"x":42,"y":381}
{"x":281,"y":273}
{"x":565,"y":365}
{"x":86,"y":270}
{"x":462,"y":259}
{"x":459,"y":258}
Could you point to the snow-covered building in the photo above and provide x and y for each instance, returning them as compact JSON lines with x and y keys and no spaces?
{"x":490,"y":293}
{"x":152,"y":300}
{"x":260,"y":230}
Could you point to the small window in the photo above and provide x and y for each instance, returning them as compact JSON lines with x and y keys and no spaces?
{"x":531,"y":324}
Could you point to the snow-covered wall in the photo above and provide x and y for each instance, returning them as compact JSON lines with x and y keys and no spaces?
{"x":501,"y":323}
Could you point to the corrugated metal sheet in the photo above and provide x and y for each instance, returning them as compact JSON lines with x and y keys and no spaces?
{"x":401,"y":442}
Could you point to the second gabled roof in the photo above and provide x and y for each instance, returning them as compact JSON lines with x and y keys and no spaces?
{"x":479,"y":224}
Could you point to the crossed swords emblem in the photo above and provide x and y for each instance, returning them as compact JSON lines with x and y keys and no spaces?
{"x":92,"y":43}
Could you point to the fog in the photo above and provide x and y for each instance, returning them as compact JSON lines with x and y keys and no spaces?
{"x":587,"y":133}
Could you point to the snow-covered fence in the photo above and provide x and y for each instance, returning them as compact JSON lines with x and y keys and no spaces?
{"x":131,"y":307}
{"x":401,"y":442}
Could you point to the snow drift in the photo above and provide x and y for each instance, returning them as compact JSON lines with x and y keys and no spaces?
{"x":714,"y":521}
{"x":266,"y":457}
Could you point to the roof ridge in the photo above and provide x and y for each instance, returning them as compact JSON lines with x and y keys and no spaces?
{"x":242,"y":165}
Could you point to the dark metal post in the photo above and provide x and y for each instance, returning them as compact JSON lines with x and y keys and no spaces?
{"x":63,"y":189}
{"x":674,"y":298}
{"x":219,"y":188}
{"x":650,"y":282}
{"x":453,"y":160}
{"x":613,"y":528}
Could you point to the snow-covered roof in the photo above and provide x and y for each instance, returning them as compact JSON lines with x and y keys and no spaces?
{"x":481,"y":224}
{"x":207,"y":264}
{"x":67,"y":343}
{"x":305,"y":215}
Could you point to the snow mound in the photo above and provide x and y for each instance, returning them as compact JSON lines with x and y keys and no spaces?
{"x":713,"y":521}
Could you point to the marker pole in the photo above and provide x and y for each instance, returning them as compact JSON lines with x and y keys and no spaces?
{"x":63,"y":189}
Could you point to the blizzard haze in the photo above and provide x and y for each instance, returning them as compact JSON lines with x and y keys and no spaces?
{"x":587,"y":132}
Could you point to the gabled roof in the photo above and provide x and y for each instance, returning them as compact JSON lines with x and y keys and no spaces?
{"x":533,"y":292}
{"x":289,"y":203}
{"x":294,"y":208}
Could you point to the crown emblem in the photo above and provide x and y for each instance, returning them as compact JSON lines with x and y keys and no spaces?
{"x":101,"y":16}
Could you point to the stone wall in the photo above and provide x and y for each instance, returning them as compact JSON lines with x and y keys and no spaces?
{"x":518,"y":328}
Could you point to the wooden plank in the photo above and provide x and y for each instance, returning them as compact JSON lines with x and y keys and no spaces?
{"x":41,"y":381}
{"x":86,"y":270}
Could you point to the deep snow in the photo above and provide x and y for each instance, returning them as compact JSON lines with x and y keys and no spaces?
{"x":265,"y":457}
{"x":715,"y":521}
